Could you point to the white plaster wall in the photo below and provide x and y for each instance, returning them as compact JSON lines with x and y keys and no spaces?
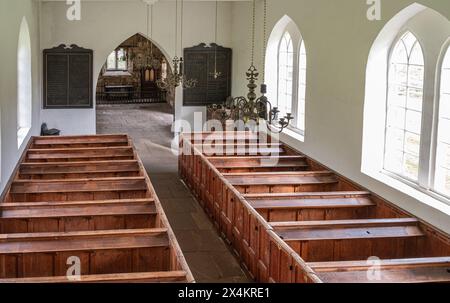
{"x":338,"y":39}
{"x":104,"y":25}
{"x":11,"y":14}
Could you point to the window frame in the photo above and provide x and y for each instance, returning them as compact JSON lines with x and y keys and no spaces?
{"x":116,"y":68}
{"x":295,"y":77}
{"x":445,"y":51}
{"x":429,"y":128}
{"x":419,"y":183}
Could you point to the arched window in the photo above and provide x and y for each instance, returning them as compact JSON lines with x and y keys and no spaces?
{"x":285,"y":74}
{"x":117,"y":60}
{"x":24,"y":85}
{"x":404,"y":108}
{"x":300,"y":117}
{"x":442,"y":172}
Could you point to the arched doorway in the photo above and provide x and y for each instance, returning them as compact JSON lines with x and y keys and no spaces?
{"x":129,"y":76}
{"x":128,"y":100}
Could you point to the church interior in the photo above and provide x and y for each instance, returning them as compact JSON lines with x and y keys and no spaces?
{"x":225,"y":141}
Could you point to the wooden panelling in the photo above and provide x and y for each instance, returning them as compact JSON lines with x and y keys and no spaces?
{"x":87,"y":198}
{"x":296,"y":221}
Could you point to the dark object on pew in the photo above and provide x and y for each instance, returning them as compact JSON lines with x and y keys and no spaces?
{"x":49,"y":132}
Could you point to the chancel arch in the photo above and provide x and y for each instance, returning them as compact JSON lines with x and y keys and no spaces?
{"x":130,"y":73}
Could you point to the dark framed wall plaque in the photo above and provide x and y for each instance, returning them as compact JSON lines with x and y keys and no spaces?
{"x":68,"y":81}
{"x":199,"y":64}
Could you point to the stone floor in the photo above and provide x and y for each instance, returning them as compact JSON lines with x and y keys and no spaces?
{"x":149,"y":126}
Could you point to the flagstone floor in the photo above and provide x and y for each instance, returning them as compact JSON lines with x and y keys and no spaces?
{"x":149,"y":126}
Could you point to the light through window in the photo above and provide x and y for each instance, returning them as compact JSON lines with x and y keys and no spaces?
{"x":301,"y":88}
{"x":442,"y":177}
{"x":117,"y":61}
{"x":285,"y":75}
{"x":404,"y":108}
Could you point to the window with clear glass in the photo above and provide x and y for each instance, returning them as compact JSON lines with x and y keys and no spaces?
{"x":404,"y":108}
{"x":285,"y":74}
{"x":442,"y":170}
{"x":117,"y":61}
{"x":300,"y":119}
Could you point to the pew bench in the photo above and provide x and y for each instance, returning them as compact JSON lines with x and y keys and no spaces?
{"x":78,"y":189}
{"x":79,"y":170}
{"x":259,"y":164}
{"x":283,"y":182}
{"x":68,"y":217}
{"x":418,"y":270}
{"x":342,"y":240}
{"x":315,"y":206}
{"x":100,"y":252}
{"x":80,"y":154}
{"x":79,"y":141}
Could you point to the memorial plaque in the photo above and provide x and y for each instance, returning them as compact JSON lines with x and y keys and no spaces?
{"x":199,"y":65}
{"x":68,"y":79}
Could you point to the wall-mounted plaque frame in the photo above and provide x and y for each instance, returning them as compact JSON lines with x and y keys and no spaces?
{"x":68,"y":77}
{"x":199,"y":64}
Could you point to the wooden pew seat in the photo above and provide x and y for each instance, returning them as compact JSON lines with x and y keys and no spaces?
{"x":341,"y":240}
{"x":74,"y":170}
{"x":86,"y":240}
{"x":141,"y":277}
{"x":418,"y":270}
{"x":348,"y":229}
{"x":79,"y":141}
{"x":301,"y":208}
{"x":294,"y":178}
{"x":259,"y":163}
{"x":80,"y":154}
{"x":76,"y":217}
{"x":100,"y":252}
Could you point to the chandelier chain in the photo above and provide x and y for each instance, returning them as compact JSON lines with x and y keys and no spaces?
{"x":176,"y":28}
{"x":182,"y":21}
{"x":253,"y":32}
{"x":264,"y":42}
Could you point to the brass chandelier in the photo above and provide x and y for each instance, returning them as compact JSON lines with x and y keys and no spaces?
{"x":177,"y":77}
{"x":251,"y":107}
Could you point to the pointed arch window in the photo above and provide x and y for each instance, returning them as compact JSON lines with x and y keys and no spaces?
{"x":24,"y":83}
{"x":442,"y":170}
{"x":300,"y":116}
{"x":404,"y":108}
{"x":285,"y":74}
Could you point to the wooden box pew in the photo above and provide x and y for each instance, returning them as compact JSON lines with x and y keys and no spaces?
{"x":270,"y":219}
{"x":80,"y":154}
{"x":418,"y":270}
{"x":259,"y":164}
{"x":79,"y":170}
{"x":344,"y":240}
{"x":313,"y":206}
{"x":77,"y":216}
{"x":75,"y":196}
{"x":247,"y":149}
{"x":100,"y":252}
{"x":225,"y":137}
{"x":139,"y":277}
{"x":286,"y":182}
{"x":57,"y":142}
{"x":77,"y":189}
